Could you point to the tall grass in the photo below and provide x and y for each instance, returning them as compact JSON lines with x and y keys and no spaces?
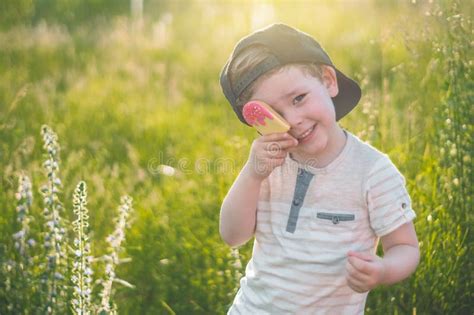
{"x":42,"y":280}
{"x":112,"y":259}
{"x":20,"y":265}
{"x":54,"y":266}
{"x":82,"y":271}
{"x":140,"y":112}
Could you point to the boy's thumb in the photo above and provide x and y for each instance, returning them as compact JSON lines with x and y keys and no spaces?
{"x":360,"y":255}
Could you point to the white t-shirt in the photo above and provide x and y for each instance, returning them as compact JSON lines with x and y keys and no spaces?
{"x":308,"y":219}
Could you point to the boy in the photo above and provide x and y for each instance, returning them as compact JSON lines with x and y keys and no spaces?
{"x":316,"y":198}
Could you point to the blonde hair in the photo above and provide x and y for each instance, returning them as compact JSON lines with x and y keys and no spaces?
{"x":255,"y":54}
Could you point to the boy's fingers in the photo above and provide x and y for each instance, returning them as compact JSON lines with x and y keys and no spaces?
{"x":272,"y":146}
{"x":289,"y":143}
{"x":274,"y":150}
{"x":359,"y":264}
{"x":276,"y":136}
{"x":361,"y":255}
{"x":277,"y":155}
{"x":280,"y":145}
{"x":354,"y":273}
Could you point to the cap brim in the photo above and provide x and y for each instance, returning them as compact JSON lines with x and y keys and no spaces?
{"x":348,"y":96}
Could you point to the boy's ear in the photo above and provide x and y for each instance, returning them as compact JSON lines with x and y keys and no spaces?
{"x":330,"y":80}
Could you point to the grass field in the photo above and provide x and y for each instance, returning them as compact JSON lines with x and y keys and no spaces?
{"x":137,"y":109}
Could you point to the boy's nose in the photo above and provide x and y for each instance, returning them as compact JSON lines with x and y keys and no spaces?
{"x":294,"y":120}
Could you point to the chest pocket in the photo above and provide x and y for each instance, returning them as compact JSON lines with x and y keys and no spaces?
{"x":332,"y":225}
{"x":335,"y":218}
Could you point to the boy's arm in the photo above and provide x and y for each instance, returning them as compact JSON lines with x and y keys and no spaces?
{"x":401,"y":253}
{"x":239,"y":208}
{"x":366,"y":271}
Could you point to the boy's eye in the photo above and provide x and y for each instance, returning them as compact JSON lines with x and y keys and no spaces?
{"x":299,"y":98}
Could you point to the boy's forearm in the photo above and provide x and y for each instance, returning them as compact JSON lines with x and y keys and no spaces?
{"x":400,"y":262}
{"x":238,"y":211}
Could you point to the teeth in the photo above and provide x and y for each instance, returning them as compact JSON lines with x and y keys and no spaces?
{"x":306,"y":133}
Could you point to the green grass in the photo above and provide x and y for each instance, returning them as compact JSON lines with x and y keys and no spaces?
{"x":124,"y":100}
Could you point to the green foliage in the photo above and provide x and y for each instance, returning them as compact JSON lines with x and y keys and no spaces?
{"x":15,"y":12}
{"x":67,"y":12}
{"x":35,"y":277}
{"x":139,"y":111}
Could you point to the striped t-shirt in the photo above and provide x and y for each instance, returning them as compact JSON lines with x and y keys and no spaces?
{"x":308,"y":219}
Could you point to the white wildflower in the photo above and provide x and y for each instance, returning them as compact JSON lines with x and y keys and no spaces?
{"x":81,"y":267}
{"x":55,"y":251}
{"x":115,"y":240}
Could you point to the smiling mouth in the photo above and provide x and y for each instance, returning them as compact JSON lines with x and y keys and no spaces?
{"x":306,"y":133}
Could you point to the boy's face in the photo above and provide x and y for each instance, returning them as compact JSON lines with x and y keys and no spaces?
{"x":305,"y":102}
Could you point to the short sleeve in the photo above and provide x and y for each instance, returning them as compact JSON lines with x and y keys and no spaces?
{"x":388,"y":201}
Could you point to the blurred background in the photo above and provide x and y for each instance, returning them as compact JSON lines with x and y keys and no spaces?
{"x":131,"y":89}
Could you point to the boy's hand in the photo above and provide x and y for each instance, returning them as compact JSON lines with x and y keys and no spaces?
{"x":268,"y":152}
{"x":364,"y":271}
